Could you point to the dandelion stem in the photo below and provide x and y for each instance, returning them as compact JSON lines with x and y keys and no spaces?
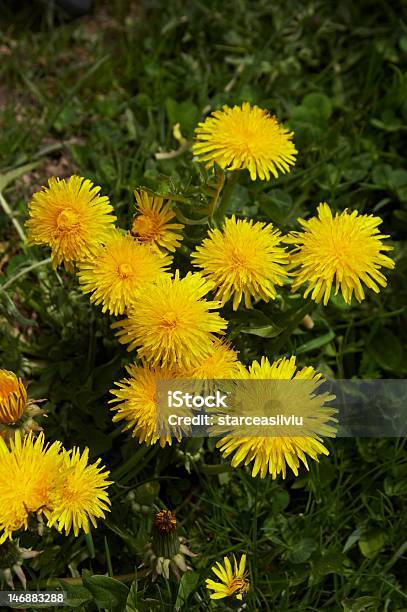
{"x":35,"y":265}
{"x":13,"y":218}
{"x":219,"y":187}
{"x":230,"y":185}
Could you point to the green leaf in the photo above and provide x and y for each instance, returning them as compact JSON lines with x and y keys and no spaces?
{"x":386,"y":349}
{"x":303,"y":550}
{"x":265,"y":331}
{"x":76,"y":594}
{"x":107,"y":592}
{"x":280,"y":501}
{"x":185,"y":113}
{"x":188,"y":584}
{"x":327,"y":563}
{"x":360,"y":604}
{"x":372,"y":542}
{"x":316,"y":343}
{"x":12,"y":175}
{"x":352,"y":539}
{"x":147,"y":492}
{"x":320,"y":103}
{"x":132,"y":598}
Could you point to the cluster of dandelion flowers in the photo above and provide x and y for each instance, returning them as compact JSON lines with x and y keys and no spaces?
{"x":136,"y":403}
{"x":233,"y":579}
{"x":171,"y":323}
{"x":244,"y":260}
{"x":344,"y":250}
{"x":80,"y":496}
{"x":13,"y":398}
{"x":29,"y":472}
{"x":120,"y":269}
{"x":71,"y":218}
{"x":245,"y":137}
{"x":270,"y":390}
{"x":154,"y":224}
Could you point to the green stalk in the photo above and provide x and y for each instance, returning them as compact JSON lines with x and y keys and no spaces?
{"x":219,"y":187}
{"x":223,"y":206}
{"x":13,"y":218}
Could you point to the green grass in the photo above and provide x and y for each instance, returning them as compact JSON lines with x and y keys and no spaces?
{"x":100,"y":96}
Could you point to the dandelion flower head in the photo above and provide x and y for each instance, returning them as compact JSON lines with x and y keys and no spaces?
{"x":280,"y":388}
{"x":245,"y":137}
{"x":120,"y":269}
{"x":171,"y":323}
{"x":80,"y":496}
{"x":232,"y":579}
{"x":153,"y":224}
{"x":29,"y":472}
{"x":70,"y":217}
{"x":13,"y":397}
{"x":244,"y":260}
{"x":345,"y":250}
{"x":136,"y":403}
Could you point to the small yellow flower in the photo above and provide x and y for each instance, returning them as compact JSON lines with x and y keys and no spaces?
{"x":13,"y":398}
{"x":245,"y":137}
{"x":244,"y":260}
{"x":80,"y":496}
{"x":137,"y":397}
{"x":279,"y":389}
{"x":171,"y":323}
{"x":119,"y":270}
{"x":152,"y":225}
{"x":221,"y":362}
{"x":345,"y":250}
{"x":29,"y":472}
{"x":71,"y":218}
{"x":233,"y":580}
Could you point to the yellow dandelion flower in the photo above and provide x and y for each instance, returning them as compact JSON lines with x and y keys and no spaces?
{"x":345,"y":250}
{"x":137,"y":405}
{"x":243,"y":260}
{"x":152,"y":224}
{"x":291,"y":392}
{"x":171,"y":323}
{"x":233,"y":580}
{"x":245,"y":137}
{"x":221,"y":362}
{"x":80,"y":496}
{"x":28,"y":474}
{"x":120,"y":269}
{"x":71,"y":218}
{"x":13,"y":398}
